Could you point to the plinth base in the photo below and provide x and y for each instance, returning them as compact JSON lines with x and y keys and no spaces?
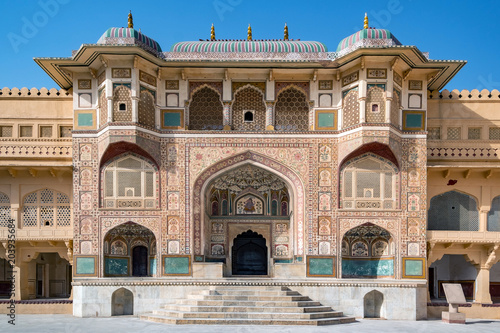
{"x":453,"y":318}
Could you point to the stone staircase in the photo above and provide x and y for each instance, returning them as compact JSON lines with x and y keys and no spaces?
{"x":247,"y":305}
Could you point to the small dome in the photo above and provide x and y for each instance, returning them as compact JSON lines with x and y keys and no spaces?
{"x":366,"y":38}
{"x":127,"y":36}
{"x":269,"y":46}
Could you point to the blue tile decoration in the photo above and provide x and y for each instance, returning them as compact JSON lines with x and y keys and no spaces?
{"x":152,"y":266}
{"x":176,"y":265}
{"x":320,"y":266}
{"x":352,"y":268}
{"x":414,"y":120}
{"x":116,"y":266}
{"x":85,"y":265}
{"x":172,"y":119}
{"x":414,"y":267}
{"x":85,"y":120}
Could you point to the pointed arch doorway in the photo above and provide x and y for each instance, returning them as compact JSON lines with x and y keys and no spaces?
{"x":249,"y":254}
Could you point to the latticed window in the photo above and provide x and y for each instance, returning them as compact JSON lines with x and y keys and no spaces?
{"x":453,"y":211}
{"x":205,"y":110}
{"x":494,"y":215}
{"x":369,"y":182}
{"x":129,"y":182}
{"x":4,"y":210}
{"x":46,"y":208}
{"x":292,"y":111}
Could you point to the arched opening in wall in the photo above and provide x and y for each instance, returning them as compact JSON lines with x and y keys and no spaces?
{"x":494,"y":215}
{"x":249,"y":110}
{"x":147,"y":104}
{"x":49,"y":275}
{"x":367,"y":252}
{"x":205,"y":110}
{"x":375,"y":103}
{"x":453,"y":268}
{"x":495,"y":282}
{"x":372,"y":304}
{"x":291,"y":111}
{"x":5,"y":279}
{"x":122,"y":102}
{"x":453,"y":211}
{"x":45,"y":209}
{"x":129,"y":250}
{"x":249,"y":254}
{"x":122,"y":302}
{"x":350,"y":107}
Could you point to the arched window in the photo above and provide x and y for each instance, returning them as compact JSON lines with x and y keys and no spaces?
{"x":292,"y":111}
{"x":494,"y":215}
{"x":46,"y":208}
{"x":4,"y":210}
{"x":130,"y":182}
{"x":369,"y":182}
{"x":453,"y":211}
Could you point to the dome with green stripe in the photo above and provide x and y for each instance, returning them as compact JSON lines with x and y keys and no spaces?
{"x":268,"y":46}
{"x":368,"y":37}
{"x":116,"y":36}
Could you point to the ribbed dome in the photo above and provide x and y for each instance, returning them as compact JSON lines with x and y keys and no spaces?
{"x":270,"y":46}
{"x":367,"y":37}
{"x":126,"y":36}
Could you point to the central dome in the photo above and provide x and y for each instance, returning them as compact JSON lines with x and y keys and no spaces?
{"x":369,"y":37}
{"x":268,"y":46}
{"x":126,"y":36}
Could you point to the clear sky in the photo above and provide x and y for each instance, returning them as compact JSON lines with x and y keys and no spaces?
{"x":449,"y":30}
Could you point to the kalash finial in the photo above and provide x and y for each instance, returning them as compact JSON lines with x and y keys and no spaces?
{"x":212,"y":32}
{"x":285,"y":36}
{"x":366,"y":21}
{"x":130,"y":20}
{"x":249,"y":37}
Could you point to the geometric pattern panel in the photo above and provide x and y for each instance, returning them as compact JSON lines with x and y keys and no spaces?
{"x":103,"y":107}
{"x":375,"y":105}
{"x":249,"y":99}
{"x":350,"y":108}
{"x":395,"y":105}
{"x":292,"y":111}
{"x":147,"y":108}
{"x":205,"y":110}
{"x":122,"y":103}
{"x":453,"y":211}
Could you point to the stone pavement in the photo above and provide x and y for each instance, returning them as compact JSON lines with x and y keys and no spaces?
{"x":123,"y":324}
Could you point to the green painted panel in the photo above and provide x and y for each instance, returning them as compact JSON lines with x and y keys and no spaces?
{"x":326,"y":119}
{"x":320,"y":266}
{"x":171,"y":119}
{"x":85,"y":119}
{"x":414,"y":120}
{"x":414,"y":267}
{"x":176,"y":265}
{"x":283,"y":261}
{"x":198,"y":258}
{"x":152,"y":266}
{"x":367,"y":268}
{"x":85,"y":265}
{"x":116,"y":266}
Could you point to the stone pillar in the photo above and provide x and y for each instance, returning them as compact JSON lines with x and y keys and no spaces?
{"x":483,"y":285}
{"x":483,"y":220}
{"x":388,"y":97}
{"x":270,"y":115}
{"x":362,"y":109}
{"x":226,"y":116}
{"x":135,"y":108}
{"x":135,"y":92}
{"x":110,"y":108}
{"x":362,"y":95}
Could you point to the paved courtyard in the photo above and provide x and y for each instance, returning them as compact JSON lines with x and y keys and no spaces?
{"x":70,"y":324}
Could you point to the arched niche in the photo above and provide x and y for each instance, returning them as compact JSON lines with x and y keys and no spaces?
{"x":122,"y":302}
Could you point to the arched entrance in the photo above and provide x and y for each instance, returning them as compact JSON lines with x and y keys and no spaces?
{"x":122,"y":302}
{"x":249,"y":254}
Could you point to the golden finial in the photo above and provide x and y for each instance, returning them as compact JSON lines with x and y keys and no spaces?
{"x":285,"y":37}
{"x":130,"y":20}
{"x":212,"y":32}
{"x":366,"y":21}
{"x":249,"y":37}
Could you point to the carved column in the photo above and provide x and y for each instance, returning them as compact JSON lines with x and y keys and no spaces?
{"x":483,"y":220}
{"x":483,"y":276}
{"x":135,"y":109}
{"x":270,"y":115}
{"x":110,"y":108}
{"x":226,"y":118}
{"x":362,"y":109}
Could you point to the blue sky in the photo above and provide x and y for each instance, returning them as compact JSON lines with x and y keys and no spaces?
{"x":449,"y":30}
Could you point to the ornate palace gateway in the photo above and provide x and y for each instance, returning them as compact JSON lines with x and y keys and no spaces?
{"x":268,"y":164}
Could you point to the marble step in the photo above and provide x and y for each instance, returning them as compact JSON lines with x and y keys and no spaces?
{"x":249,"y":287}
{"x":245,"y":303}
{"x":248,"y":298}
{"x":249,"y":315}
{"x":226,"y":321}
{"x":286,"y":309}
{"x":250,"y":292}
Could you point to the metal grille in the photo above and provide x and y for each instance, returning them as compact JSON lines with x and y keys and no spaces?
{"x":109,"y":183}
{"x":454,"y":133}
{"x":149,"y":184}
{"x":292,"y":111}
{"x":494,"y":215}
{"x":6,"y":131}
{"x":26,"y":131}
{"x":127,"y":180}
{"x":63,"y":216}
{"x":474,"y":133}
{"x":453,"y":211}
{"x":348,"y":184}
{"x":47,"y":215}
{"x":205,"y":110}
{"x":30,"y":218}
{"x":46,"y":196}
{"x":62,"y":198}
{"x":368,"y":180}
{"x":494,"y":133}
{"x":434,"y":133}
